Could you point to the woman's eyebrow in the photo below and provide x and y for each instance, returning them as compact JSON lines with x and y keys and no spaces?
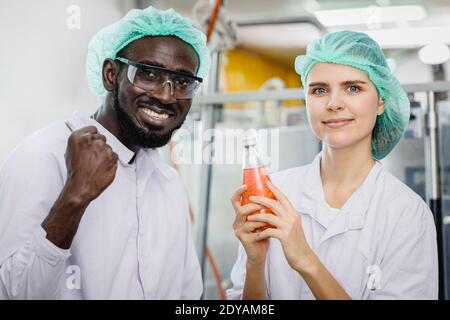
{"x":318,"y":83}
{"x":345,"y":83}
{"x":350,"y":82}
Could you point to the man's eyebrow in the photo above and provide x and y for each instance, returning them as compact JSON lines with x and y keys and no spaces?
{"x":156,"y":64}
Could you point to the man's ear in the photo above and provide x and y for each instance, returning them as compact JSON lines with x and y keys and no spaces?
{"x":380,"y":108}
{"x":110,"y":74}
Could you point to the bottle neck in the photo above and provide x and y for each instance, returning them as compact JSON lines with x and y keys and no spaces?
{"x":251,"y":158}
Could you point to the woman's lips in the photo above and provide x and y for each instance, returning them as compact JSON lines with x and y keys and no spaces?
{"x":337,"y":123}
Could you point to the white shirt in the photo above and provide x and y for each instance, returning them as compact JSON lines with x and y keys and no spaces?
{"x":332,"y":212}
{"x":381,"y":245}
{"x":133,"y":242}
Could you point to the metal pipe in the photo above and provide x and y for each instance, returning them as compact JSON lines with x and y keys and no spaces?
{"x":297,"y":93}
{"x":208,"y":120}
{"x":435,"y":187}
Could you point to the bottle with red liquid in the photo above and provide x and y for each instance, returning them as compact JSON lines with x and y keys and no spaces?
{"x":254,"y":176}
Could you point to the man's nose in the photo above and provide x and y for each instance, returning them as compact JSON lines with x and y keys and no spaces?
{"x":166,"y":92}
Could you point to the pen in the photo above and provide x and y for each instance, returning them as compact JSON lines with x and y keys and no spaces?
{"x":70,"y":126}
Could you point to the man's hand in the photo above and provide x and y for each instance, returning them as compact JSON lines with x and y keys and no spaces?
{"x":91,"y":163}
{"x":91,"y":168}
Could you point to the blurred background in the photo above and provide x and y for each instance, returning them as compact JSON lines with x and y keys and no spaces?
{"x":252,"y":86}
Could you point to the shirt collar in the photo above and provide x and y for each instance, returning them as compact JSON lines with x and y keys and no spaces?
{"x":159,"y":163}
{"x":79,"y":120}
{"x":312,"y":200}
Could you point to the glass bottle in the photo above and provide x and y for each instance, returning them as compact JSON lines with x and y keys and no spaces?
{"x":254,"y":176}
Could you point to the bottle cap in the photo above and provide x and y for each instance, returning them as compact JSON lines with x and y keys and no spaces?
{"x":249,"y":141}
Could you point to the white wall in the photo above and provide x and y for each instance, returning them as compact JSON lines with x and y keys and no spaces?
{"x":42,"y":62}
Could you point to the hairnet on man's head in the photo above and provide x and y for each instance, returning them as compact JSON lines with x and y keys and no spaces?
{"x":358,"y":50}
{"x":134,"y":26}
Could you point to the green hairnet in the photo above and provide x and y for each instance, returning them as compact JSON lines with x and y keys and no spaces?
{"x":358,"y":50}
{"x":134,"y":26}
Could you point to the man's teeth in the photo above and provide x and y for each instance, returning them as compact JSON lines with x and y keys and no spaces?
{"x":155,"y":115}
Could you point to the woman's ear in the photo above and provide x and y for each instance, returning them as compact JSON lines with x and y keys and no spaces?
{"x":380,"y":108}
{"x":110,"y":73}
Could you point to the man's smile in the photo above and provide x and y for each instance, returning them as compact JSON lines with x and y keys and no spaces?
{"x":154,"y":115}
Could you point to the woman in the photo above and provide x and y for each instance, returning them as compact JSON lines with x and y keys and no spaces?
{"x":344,"y":227}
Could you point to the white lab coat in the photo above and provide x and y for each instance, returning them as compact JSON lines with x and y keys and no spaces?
{"x":381,"y":245}
{"x":133,"y":242}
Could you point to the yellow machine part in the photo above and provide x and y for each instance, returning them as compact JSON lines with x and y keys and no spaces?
{"x":243,"y":70}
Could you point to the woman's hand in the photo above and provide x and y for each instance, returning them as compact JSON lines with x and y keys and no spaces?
{"x":255,"y":247}
{"x":288,"y":229}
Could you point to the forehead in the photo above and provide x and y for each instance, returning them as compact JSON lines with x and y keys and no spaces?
{"x":335,"y":73}
{"x":166,"y":51}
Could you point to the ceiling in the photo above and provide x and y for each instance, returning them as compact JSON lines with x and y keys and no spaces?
{"x":298,"y":24}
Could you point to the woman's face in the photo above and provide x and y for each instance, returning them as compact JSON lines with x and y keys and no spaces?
{"x":342,"y":105}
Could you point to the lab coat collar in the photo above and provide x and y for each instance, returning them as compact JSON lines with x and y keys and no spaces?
{"x":311,"y":194}
{"x":352,"y":214}
{"x":160,"y":165}
{"x":79,"y":121}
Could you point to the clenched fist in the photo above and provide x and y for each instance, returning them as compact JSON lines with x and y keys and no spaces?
{"x":91,"y":163}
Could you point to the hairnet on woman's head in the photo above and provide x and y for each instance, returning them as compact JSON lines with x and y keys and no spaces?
{"x":134,"y":26}
{"x":358,"y":50}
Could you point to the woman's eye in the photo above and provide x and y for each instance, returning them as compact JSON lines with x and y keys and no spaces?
{"x":353,"y":89}
{"x":319,"y":91}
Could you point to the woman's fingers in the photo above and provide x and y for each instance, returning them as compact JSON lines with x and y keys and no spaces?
{"x":252,"y":226}
{"x":249,"y":208}
{"x":268,"y":203}
{"x":243,"y":210}
{"x":277,"y":193}
{"x":267,"y":233}
{"x":236,"y":198}
{"x":266,"y":218}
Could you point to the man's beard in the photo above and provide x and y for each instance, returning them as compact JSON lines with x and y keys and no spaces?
{"x":136,"y":135}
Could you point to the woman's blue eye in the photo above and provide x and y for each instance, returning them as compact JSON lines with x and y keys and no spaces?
{"x":353,"y":89}
{"x":318,"y":90}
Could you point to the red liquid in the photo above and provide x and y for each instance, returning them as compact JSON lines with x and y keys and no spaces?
{"x":255,"y":179}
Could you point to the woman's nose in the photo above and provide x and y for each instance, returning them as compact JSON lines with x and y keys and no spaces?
{"x":335,"y":102}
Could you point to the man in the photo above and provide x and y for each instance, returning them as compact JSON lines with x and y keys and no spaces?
{"x":88,"y":209}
